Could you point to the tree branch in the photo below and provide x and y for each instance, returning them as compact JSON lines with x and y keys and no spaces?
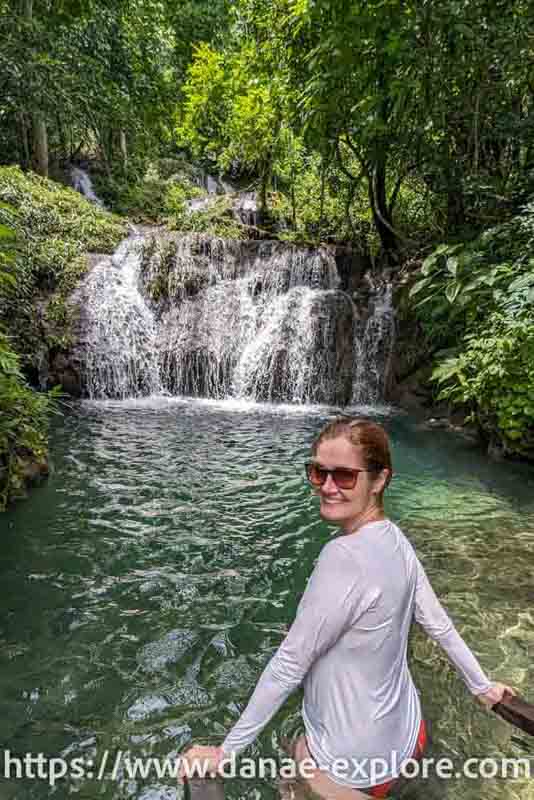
{"x":384,"y":222}
{"x":394,"y":194}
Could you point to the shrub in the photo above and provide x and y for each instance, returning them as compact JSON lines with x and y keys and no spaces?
{"x":494,"y":376}
{"x":54,"y":226}
{"x":24,"y":416}
{"x":156,"y":196}
{"x":23,"y":412}
{"x":478,"y":298}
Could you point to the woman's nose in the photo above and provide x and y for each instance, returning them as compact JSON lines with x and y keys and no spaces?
{"x":329,"y":486}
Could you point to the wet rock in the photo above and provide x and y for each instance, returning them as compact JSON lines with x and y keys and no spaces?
{"x":156,"y":656}
{"x":440,"y":422}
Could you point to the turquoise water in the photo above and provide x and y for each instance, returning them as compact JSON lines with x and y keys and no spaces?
{"x":145,"y":586}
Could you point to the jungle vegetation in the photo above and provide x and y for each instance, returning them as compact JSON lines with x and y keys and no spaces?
{"x":405,"y":128}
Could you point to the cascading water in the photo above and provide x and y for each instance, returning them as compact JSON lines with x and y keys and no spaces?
{"x":374,"y":342}
{"x":202,"y":316}
{"x":83,"y":184}
{"x":117,"y":347}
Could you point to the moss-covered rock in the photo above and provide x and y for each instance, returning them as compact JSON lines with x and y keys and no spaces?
{"x":55,"y":228}
{"x":24,"y":417}
{"x":167,"y":276}
{"x":160,"y":195}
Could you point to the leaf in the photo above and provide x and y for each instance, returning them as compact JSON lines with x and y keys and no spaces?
{"x":452,"y":291}
{"x":6,"y":233}
{"x":452,"y":265}
{"x":421,"y":284}
{"x":8,"y":279}
{"x":523,"y":282}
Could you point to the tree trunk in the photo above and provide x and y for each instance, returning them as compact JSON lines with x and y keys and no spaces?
{"x":452,"y":174}
{"x":455,"y":199}
{"x":40,"y":136}
{"x":26,"y":157}
{"x":321,"y":204}
{"x":124,"y":150}
{"x":62,"y":138}
{"x":101,"y":139}
{"x":455,"y":210}
{"x":40,"y":145}
{"x":381,"y":215}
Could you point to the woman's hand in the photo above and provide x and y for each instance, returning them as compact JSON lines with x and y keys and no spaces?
{"x":494,"y":695}
{"x":207,"y":758}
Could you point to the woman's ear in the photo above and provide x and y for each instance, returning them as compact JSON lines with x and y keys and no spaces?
{"x":381,"y":481}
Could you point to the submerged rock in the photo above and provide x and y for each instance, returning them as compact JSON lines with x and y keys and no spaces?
{"x":155,"y":656}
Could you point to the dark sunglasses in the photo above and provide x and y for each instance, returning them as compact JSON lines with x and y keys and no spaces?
{"x":343,"y":477}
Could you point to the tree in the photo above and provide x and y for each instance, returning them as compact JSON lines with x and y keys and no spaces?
{"x":440,"y":89}
{"x":76,"y":76}
{"x":232,"y":112}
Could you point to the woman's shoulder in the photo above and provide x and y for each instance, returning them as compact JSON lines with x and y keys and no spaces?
{"x":379,"y":538}
{"x":336,"y":559}
{"x":378,"y":542}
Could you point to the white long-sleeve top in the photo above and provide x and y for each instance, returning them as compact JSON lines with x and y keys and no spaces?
{"x":348,"y":645}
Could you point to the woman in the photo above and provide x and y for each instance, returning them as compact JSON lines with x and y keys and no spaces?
{"x":348,"y":643}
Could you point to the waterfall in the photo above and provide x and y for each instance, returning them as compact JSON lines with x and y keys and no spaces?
{"x":373,"y":347}
{"x":83,"y":184}
{"x":246,"y":208}
{"x":117,"y":346}
{"x":202,"y":316}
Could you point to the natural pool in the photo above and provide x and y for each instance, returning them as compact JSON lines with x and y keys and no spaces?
{"x":147,"y":584}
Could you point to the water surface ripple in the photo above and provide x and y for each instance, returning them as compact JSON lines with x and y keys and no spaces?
{"x":147,"y":584}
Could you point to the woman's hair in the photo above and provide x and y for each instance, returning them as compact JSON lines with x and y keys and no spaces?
{"x":370,"y":436}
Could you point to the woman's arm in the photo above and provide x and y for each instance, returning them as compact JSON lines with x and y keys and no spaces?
{"x":327,"y":608}
{"x":333,"y":599}
{"x":432,"y":616}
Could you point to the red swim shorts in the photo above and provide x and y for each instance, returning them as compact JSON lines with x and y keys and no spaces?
{"x":383,"y":789}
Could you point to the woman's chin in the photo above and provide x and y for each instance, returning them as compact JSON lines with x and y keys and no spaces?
{"x":332,"y":511}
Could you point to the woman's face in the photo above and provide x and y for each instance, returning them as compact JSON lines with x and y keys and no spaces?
{"x":344,"y":506}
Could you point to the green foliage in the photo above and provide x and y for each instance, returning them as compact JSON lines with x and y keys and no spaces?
{"x":24,"y":417}
{"x":426,"y":110}
{"x":494,"y":376}
{"x":158,"y":196}
{"x":162,"y":197}
{"x":102,"y":78}
{"x":331,"y":147}
{"x":202,"y":117}
{"x":317,"y":204}
{"x":479,"y":299}
{"x":231,"y":115}
{"x":216,"y":219}
{"x":23,"y":412}
{"x":461,"y":284}
{"x":45,"y":232}
{"x":89,"y":71}
{"x":54,"y":227}
{"x":439,"y":92}
{"x":46,"y":208}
